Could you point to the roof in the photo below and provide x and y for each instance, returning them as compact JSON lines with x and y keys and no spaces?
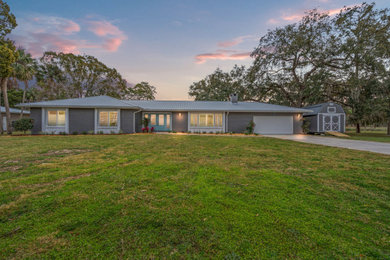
{"x":88,"y":102}
{"x":315,"y":109}
{"x":156,"y":106}
{"x":14,"y":111}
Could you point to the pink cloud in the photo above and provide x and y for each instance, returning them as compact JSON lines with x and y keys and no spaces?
{"x":112,"y":44}
{"x":71,"y":27}
{"x":111,"y":34}
{"x":223,"y":55}
{"x":234,"y":42}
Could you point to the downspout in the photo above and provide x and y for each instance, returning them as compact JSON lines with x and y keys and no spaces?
{"x":134,"y":119}
{"x":227,"y":122}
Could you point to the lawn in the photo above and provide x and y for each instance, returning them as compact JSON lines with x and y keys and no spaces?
{"x":177,"y":196}
{"x":377,"y":135}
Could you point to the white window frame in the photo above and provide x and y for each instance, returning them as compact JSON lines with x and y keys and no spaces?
{"x":108,"y":119}
{"x":213,"y":128}
{"x":107,"y":129}
{"x":46,"y":128}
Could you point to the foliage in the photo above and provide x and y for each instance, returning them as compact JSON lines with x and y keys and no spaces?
{"x":63,"y":75}
{"x":15,"y":96}
{"x":250,"y":127}
{"x":7,"y":20}
{"x":7,"y":58}
{"x":23,"y":124}
{"x":305,"y":125}
{"x":142,"y":91}
{"x":145,"y":122}
{"x":260,"y":198}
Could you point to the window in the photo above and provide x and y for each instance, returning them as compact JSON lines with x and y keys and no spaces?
{"x":206,"y":120}
{"x":194,"y":119}
{"x":56,"y":118}
{"x":168,"y":124}
{"x":161,"y":119}
{"x":108,"y":118}
{"x":331,"y":110}
{"x":153,"y":119}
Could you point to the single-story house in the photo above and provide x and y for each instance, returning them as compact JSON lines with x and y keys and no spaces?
{"x":15,"y":115}
{"x":110,"y":115}
{"x":325,"y":117}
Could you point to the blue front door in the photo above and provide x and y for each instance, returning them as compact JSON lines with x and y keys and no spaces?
{"x":160,"y":121}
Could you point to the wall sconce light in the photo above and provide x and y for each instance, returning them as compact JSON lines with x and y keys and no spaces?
{"x":180,"y":114}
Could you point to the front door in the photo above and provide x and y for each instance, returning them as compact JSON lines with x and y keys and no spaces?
{"x":161,"y":122}
{"x":331,"y":123}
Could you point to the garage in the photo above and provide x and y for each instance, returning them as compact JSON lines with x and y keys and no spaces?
{"x":273,"y":124}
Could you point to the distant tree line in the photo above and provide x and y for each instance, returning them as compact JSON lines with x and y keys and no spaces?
{"x":344,"y":59}
{"x":55,"y":75}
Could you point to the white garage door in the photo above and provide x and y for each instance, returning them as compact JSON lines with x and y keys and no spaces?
{"x":273,"y":124}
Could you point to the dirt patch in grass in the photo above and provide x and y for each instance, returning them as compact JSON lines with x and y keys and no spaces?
{"x":66,"y":151}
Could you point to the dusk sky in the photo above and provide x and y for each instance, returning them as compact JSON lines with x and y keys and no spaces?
{"x":168,"y":43}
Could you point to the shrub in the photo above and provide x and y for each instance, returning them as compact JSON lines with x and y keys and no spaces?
{"x":84,"y":132}
{"x":100,"y":132}
{"x":251,"y":127}
{"x":23,"y":124}
{"x":145,"y":122}
{"x":62,"y":133}
{"x":91,"y":132}
{"x":75,"y":133}
{"x":305,"y":126}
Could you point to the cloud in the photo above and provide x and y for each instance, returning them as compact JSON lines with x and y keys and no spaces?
{"x":111,"y":34}
{"x":294,"y":17}
{"x":234,"y":42}
{"x":43,"y":33}
{"x":221,"y":55}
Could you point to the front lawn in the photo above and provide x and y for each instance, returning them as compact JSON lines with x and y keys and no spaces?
{"x":172,"y":196}
{"x":370,"y":134}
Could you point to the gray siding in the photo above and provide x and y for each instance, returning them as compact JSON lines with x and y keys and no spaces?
{"x":342,"y":123}
{"x":320,"y":123}
{"x":312,"y":123}
{"x":36,"y":115}
{"x":138,"y":122}
{"x":180,"y":122}
{"x":324,"y":108}
{"x":127,"y":121}
{"x":81,"y":120}
{"x":237,"y":122}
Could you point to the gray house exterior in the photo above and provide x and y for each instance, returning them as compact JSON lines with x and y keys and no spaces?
{"x":103,"y":114}
{"x":325,"y":117}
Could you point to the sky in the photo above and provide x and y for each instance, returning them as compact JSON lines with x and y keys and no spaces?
{"x":168,"y":43}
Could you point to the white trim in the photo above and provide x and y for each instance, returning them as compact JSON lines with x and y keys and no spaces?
{"x":54,"y":129}
{"x":226,"y":122}
{"x":107,"y":129}
{"x":331,"y":121}
{"x":206,"y":128}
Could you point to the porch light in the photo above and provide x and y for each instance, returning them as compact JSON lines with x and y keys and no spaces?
{"x":180,"y":114}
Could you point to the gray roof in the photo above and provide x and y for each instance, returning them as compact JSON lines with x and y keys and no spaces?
{"x":154,"y":105}
{"x":315,"y":109}
{"x":88,"y":102}
{"x":14,"y":111}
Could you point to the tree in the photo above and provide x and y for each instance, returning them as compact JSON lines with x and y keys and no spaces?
{"x":142,"y":91}
{"x":25,"y":69}
{"x":63,"y":75}
{"x":7,"y":58}
{"x":363,"y":43}
{"x":7,"y":20}
{"x":290,"y":60}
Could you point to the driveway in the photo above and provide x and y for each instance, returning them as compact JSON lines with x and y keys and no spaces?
{"x":375,"y":147}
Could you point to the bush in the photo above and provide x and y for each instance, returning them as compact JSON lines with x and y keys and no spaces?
{"x":84,"y":132}
{"x":305,"y":126}
{"x":75,"y":133}
{"x":23,"y":124}
{"x":251,"y":127}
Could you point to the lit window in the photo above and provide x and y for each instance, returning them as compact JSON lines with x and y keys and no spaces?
{"x":161,"y":119}
{"x":56,"y":118}
{"x":218,"y":120}
{"x":194,"y":119}
{"x":206,"y":120}
{"x":202,"y":119}
{"x":153,"y":119}
{"x":168,"y":124}
{"x":108,"y":118}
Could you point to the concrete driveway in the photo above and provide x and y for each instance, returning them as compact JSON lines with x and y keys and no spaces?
{"x":375,"y":147}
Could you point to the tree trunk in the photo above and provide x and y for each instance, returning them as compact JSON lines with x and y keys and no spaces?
{"x":1,"y":115}
{"x":388,"y":127}
{"x":4,"y":82}
{"x":24,"y":97}
{"x":358,"y":128}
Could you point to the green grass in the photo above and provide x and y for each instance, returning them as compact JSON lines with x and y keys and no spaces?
{"x":378,"y":134}
{"x":171,"y":196}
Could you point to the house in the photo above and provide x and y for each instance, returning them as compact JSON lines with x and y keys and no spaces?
{"x":15,"y":115}
{"x":325,"y":117}
{"x":110,"y":115}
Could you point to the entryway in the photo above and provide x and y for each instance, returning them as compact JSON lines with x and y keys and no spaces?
{"x":161,"y":122}
{"x":331,"y":122}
